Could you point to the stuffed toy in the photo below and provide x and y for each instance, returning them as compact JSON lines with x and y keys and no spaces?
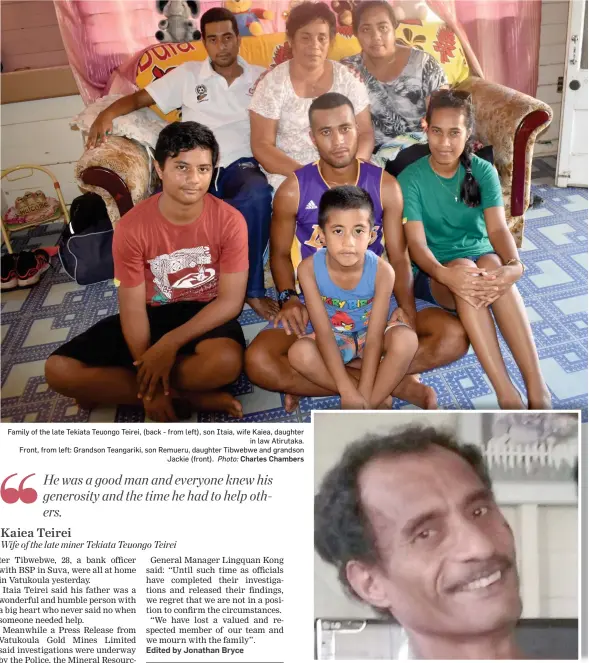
{"x":247,"y":18}
{"x":410,"y":10}
{"x":343,"y":11}
{"x":291,"y":5}
{"x":178,"y":26}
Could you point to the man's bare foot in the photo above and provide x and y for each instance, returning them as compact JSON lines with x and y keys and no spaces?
{"x":411,"y":390}
{"x":540,"y":400}
{"x":511,"y":400}
{"x":216,"y":401}
{"x":511,"y":404}
{"x":86,"y":405}
{"x":264,"y":306}
{"x":291,"y":402}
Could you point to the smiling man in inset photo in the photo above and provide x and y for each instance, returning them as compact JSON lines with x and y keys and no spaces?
{"x":411,"y":524}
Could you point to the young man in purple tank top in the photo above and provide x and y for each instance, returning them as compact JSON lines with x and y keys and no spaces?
{"x":312,"y":185}
{"x":294,"y":234}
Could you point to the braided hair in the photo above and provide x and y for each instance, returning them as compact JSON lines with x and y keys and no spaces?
{"x":470,"y":192}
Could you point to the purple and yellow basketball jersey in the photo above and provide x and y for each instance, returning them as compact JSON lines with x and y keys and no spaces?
{"x":311,"y":187}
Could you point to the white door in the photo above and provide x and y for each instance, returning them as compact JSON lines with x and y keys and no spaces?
{"x":571,"y":168}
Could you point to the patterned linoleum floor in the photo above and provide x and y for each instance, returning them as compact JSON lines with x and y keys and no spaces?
{"x":36,"y":321}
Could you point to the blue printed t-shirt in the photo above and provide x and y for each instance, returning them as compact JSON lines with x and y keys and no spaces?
{"x":452,"y":229}
{"x":348,"y":310}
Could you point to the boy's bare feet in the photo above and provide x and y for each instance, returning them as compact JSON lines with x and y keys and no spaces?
{"x":387,"y":404}
{"x":291,"y":402}
{"x":216,"y":401}
{"x":411,"y":390}
{"x":539,"y":400}
{"x":265,"y":307}
{"x":510,"y":400}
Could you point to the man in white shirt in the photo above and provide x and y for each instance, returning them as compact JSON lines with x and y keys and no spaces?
{"x":216,"y":93}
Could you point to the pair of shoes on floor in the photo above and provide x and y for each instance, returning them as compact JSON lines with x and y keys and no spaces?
{"x":23,"y":269}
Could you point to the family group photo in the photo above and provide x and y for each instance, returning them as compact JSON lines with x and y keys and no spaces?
{"x":311,"y":206}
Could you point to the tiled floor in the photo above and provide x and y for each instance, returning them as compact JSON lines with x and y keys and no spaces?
{"x":38,"y":320}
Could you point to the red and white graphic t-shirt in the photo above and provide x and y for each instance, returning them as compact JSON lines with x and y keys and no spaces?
{"x":179,"y":263}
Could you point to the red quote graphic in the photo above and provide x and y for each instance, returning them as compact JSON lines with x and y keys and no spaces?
{"x":12,"y":495}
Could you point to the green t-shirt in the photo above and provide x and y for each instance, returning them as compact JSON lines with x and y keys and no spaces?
{"x":452,"y":229}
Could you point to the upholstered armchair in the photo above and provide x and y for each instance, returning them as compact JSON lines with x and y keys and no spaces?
{"x":509,"y":121}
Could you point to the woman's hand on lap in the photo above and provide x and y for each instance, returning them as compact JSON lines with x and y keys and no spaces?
{"x":497,"y":282}
{"x":465,"y":282}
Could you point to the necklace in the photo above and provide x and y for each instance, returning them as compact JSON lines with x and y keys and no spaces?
{"x":332,"y":184}
{"x":320,"y":82}
{"x":308,"y":88}
{"x":375,"y":66}
{"x":446,"y":187}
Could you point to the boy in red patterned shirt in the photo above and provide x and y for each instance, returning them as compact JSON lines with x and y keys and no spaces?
{"x":181,"y":260}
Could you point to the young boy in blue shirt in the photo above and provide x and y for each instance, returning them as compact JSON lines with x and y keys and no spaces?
{"x":349,"y":295}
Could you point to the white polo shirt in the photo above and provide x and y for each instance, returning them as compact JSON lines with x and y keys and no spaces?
{"x":205,"y":97}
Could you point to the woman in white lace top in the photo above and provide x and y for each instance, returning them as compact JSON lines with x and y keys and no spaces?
{"x":280,"y":104}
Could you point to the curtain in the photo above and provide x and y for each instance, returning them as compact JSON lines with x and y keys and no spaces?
{"x":99,"y":36}
{"x":504,"y":35}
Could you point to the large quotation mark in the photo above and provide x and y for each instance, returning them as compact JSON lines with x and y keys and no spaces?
{"x":12,"y":495}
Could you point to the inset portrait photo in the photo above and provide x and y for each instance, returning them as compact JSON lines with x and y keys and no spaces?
{"x":450,"y":535}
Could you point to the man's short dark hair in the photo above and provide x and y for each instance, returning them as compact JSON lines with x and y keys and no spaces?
{"x":182,"y":137}
{"x":306,"y":13}
{"x":328,"y":101}
{"x":343,"y":532}
{"x":362,"y":7}
{"x":216,"y":15}
{"x":344,"y":198}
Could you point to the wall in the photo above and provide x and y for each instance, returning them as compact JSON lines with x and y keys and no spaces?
{"x":545,"y":534}
{"x":557,"y":528}
{"x":552,"y":64}
{"x":30,"y":35}
{"x":38,"y":132}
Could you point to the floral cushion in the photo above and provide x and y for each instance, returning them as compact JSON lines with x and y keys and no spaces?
{"x":438,"y":40}
{"x":271,"y":49}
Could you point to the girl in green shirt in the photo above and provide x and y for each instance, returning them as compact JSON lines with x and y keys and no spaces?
{"x":466,"y":257}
